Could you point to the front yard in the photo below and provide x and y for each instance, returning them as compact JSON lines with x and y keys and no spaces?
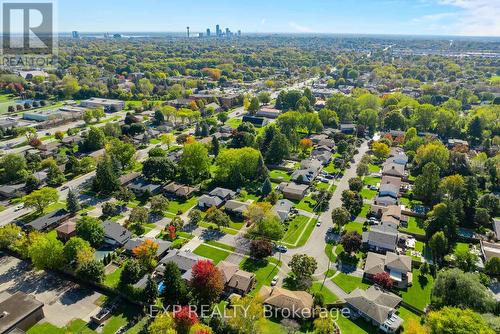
{"x":295,"y":228}
{"x":215,"y":254}
{"x":264,"y":271}
{"x":349,"y":283}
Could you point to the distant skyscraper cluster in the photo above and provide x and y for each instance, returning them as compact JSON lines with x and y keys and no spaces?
{"x":219,"y":33}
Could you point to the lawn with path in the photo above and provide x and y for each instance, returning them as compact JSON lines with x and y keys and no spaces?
{"x":215,"y":254}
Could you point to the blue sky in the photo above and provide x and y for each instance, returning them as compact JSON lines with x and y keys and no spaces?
{"x":421,"y":17}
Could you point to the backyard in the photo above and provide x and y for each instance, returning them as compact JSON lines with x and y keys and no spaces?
{"x":419,"y":294}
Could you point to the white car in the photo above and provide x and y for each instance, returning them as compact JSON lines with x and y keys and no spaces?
{"x":318,"y":224}
{"x":275,"y":280}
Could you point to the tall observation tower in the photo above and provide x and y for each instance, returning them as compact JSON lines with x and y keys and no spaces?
{"x":187,"y":31}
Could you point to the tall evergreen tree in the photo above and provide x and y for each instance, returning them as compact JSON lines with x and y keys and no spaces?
{"x":72,"y":203}
{"x":106,"y":178}
{"x":215,"y":146}
{"x":267,"y":187}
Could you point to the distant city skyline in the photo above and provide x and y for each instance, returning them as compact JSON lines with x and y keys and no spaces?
{"x":402,"y":17}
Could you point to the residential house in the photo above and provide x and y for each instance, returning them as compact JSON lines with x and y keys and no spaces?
{"x":163,"y":245}
{"x":12,"y":190}
{"x":376,"y":306}
{"x":236,"y":208}
{"x":174,"y":189}
{"x":66,"y":231}
{"x":207,"y":201}
{"x":185,"y":260}
{"x":348,"y":128}
{"x":299,"y":302}
{"x":393,"y":169}
{"x":458,"y":144}
{"x":322,"y":153}
{"x":380,"y":239}
{"x":309,"y":170}
{"x":268,"y":112}
{"x":141,"y":186}
{"x":293,"y":191}
{"x":128,"y":178}
{"x":397,"y":266}
{"x":282,"y":209}
{"x":236,"y":280}
{"x":20,"y":312}
{"x":258,"y":122}
{"x":48,"y":221}
{"x":388,"y":191}
{"x":115,"y":234}
{"x":490,"y":250}
{"x":213,"y":106}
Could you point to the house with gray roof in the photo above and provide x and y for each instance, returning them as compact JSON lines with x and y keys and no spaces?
{"x":48,"y":221}
{"x":380,"y":238}
{"x":185,"y":260}
{"x":397,"y":266}
{"x":282,"y":209}
{"x":236,"y":208}
{"x":163,"y":245}
{"x":393,"y":169}
{"x":376,"y":306}
{"x":115,"y":234}
{"x":140,"y":186}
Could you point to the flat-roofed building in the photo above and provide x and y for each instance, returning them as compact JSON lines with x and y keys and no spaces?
{"x":20,"y":311}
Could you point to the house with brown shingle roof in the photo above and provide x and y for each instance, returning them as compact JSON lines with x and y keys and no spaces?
{"x":236,"y":280}
{"x":298,"y":302}
{"x":397,"y":266}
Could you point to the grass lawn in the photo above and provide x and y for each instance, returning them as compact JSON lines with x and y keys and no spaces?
{"x":349,"y":283}
{"x":264,"y":270}
{"x":248,"y":196}
{"x":330,"y":297}
{"x":415,"y":225}
{"x":214,"y":254}
{"x":322,"y":185}
{"x":461,"y":246}
{"x":295,"y":228}
{"x":306,"y":204}
{"x":113,"y":279}
{"x":409,"y":203}
{"x":309,"y":229}
{"x":358,"y":326}
{"x":373,"y":168}
{"x":371,"y":180}
{"x":176,"y":205}
{"x":329,"y":252}
{"x":234,"y":122}
{"x":419,"y":294}
{"x":279,"y":174}
{"x":368,"y":193}
{"x":215,"y":227}
{"x":220,"y":245}
{"x":331,"y":168}
{"x":364,"y":211}
{"x":76,"y":326}
{"x":354,"y":226}
{"x":406,"y":315}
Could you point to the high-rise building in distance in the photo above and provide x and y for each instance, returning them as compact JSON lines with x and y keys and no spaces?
{"x":75,"y":34}
{"x":208,"y":32}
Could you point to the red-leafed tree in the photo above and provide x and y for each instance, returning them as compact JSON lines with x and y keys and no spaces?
{"x":171,"y":232}
{"x":384,"y":280}
{"x":206,"y":282}
{"x":184,"y":319}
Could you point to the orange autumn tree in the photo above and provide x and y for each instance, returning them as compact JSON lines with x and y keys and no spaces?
{"x":146,"y":254}
{"x":213,"y":73}
{"x":305,"y":144}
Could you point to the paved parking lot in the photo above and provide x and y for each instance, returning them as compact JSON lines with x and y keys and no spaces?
{"x":63,"y":300}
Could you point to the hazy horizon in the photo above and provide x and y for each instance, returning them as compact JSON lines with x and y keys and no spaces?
{"x":400,"y":17}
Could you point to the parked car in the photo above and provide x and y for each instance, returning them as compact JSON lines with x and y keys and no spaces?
{"x":281,"y":249}
{"x":318,"y":224}
{"x":275,"y":280}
